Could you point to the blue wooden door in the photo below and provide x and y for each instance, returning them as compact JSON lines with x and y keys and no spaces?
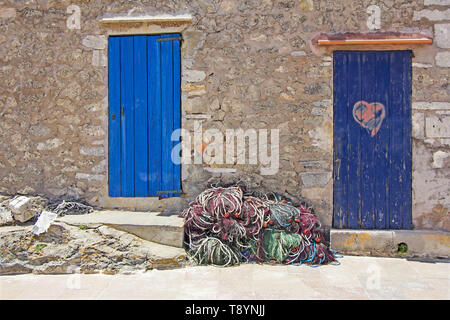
{"x":372,"y":140}
{"x":144,"y":110}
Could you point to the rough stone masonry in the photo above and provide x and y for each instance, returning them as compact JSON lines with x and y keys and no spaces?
{"x":246,"y":64}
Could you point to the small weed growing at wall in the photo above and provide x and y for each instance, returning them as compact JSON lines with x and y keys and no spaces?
{"x":82,"y":227}
{"x":402,"y":248}
{"x":39,"y":247}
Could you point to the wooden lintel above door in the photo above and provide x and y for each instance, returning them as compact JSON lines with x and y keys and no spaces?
{"x":371,"y":38}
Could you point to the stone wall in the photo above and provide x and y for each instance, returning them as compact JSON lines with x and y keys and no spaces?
{"x":246,"y":64}
{"x":431,"y":122}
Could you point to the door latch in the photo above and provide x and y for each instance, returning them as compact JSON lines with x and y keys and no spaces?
{"x":337,"y":168}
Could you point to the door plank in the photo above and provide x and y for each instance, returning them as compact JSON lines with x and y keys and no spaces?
{"x":176,"y":110}
{"x":396,"y":141}
{"x":127,"y":116}
{"x":367,"y":143}
{"x":114,"y":142}
{"x":340,"y":116}
{"x":354,"y":139}
{"x":382,"y":144}
{"x":406,"y":103}
{"x":167,"y":115}
{"x":154,"y":115}
{"x":140,"y":117}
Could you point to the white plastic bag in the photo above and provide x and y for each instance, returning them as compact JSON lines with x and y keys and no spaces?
{"x":44,"y":221}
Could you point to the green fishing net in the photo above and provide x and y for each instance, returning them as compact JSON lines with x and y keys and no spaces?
{"x":277,"y":244}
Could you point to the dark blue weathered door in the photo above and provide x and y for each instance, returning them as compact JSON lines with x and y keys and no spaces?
{"x":144,"y":110}
{"x":372,"y":139}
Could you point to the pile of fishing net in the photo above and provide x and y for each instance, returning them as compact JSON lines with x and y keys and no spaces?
{"x":69,"y":207}
{"x":227,"y":225}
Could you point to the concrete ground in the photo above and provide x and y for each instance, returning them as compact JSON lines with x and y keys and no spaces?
{"x":355,"y":278}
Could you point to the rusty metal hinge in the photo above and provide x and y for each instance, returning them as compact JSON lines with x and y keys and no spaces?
{"x":169,"y":39}
{"x":169,"y":191}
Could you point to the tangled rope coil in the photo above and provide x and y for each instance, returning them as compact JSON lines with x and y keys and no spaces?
{"x":226,"y":226}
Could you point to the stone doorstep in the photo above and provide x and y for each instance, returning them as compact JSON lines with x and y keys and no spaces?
{"x":150,"y":226}
{"x":421,"y":243}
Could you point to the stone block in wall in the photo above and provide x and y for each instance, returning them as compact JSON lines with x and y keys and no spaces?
{"x":50,"y":144}
{"x":92,"y":151}
{"x":193,"y":40}
{"x":285,"y":97}
{"x":438,"y":105}
{"x":90,"y":177}
{"x":71,"y":91}
{"x":193,"y":75}
{"x":100,"y":167}
{"x":418,"y":125}
{"x":215,"y":105}
{"x":422,"y":65}
{"x":323,"y":103}
{"x":298,"y":53}
{"x":99,"y":58}
{"x":194,"y":90}
{"x":439,"y":158}
{"x":92,"y":131}
{"x":443,"y":59}
{"x":442,"y":35}
{"x":322,"y":136}
{"x":94,"y":42}
{"x":318,"y":111}
{"x":253,"y":93}
{"x":220,"y":170}
{"x":436,"y":2}
{"x":195,"y":105}
{"x":432,"y":15}
{"x":311,"y":179}
{"x":39,"y":130}
{"x":6,"y":13}
{"x":437,"y":127}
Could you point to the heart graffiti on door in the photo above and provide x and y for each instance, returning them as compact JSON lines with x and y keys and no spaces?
{"x":369,"y":115}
